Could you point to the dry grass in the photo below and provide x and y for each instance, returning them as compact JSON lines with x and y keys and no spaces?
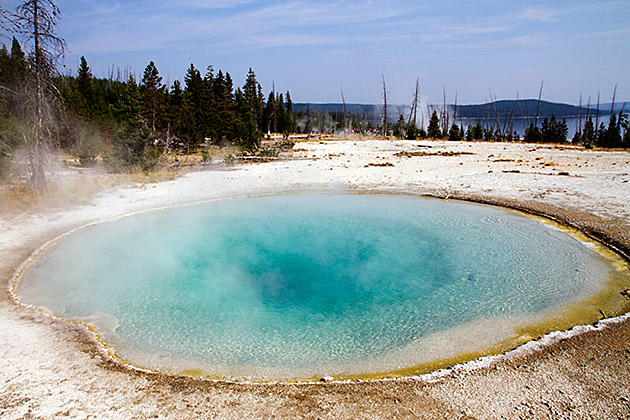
{"x":72,"y":189}
{"x":18,"y":197}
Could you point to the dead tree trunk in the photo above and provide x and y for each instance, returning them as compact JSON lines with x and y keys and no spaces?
{"x":579,"y":130}
{"x":597,"y":120}
{"x":384,"y":107}
{"x":485,"y":108}
{"x":520,"y":108}
{"x":496,"y":112}
{"x":39,"y":167}
{"x":508,"y":121}
{"x":345,"y":113}
{"x":455,"y":110}
{"x":526,"y":116}
{"x":36,"y":19}
{"x":588,"y":116}
{"x":538,"y":105}
{"x":445,"y":114}
{"x":612,"y":106}
{"x":414,"y":105}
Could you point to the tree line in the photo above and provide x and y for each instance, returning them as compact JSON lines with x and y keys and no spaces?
{"x":206,"y":109}
{"x":129,"y":123}
{"x":614,"y":135}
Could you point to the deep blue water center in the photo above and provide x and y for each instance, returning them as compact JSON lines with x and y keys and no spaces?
{"x":296,"y":286}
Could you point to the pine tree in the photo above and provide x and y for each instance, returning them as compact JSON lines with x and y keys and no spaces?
{"x":533,"y":134}
{"x":588,"y":134}
{"x":412,"y":131}
{"x":453,"y":133}
{"x":19,"y":66}
{"x":224,"y":125}
{"x":152,"y":90}
{"x":14,"y":74}
{"x":290,"y":117}
{"x":554,"y":131}
{"x":399,"y":129}
{"x":131,"y":106}
{"x":176,"y":107}
{"x":248,"y":133}
{"x":613,"y":134}
{"x":85,"y":87}
{"x":253,"y":96}
{"x":197,"y":106}
{"x":433,"y":131}
{"x":269,"y":114}
{"x":469,"y":134}
{"x":281,"y":115}
{"x":5,"y":65}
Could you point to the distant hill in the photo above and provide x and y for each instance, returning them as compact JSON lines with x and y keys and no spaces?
{"x":618,"y":107}
{"x":366,"y":109}
{"x":525,"y":108}
{"x":522,"y":108}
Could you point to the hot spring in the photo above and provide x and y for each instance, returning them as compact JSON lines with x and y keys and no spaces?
{"x":306,"y":286}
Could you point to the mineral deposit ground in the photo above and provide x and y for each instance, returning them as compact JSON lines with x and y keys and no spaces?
{"x":53,"y":369}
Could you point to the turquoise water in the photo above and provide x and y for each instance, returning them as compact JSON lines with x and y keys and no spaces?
{"x":296,"y":286}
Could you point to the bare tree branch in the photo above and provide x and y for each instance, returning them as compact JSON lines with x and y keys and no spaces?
{"x":36,"y":21}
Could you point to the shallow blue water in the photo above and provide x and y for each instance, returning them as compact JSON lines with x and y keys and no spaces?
{"x":302,"y":285}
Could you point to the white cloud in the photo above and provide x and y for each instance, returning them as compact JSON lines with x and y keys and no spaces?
{"x":539,"y":14}
{"x":211,"y":4}
{"x":360,"y":36}
{"x":276,"y":25}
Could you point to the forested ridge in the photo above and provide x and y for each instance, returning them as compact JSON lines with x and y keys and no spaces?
{"x":526,"y":108}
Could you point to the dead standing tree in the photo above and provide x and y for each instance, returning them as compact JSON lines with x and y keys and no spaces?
{"x":538,"y":104}
{"x":444,"y":118}
{"x":36,"y":21}
{"x":455,"y":110}
{"x":493,"y":99}
{"x":579,"y":127}
{"x":414,"y":105}
{"x":384,"y":107}
{"x":597,"y":130}
{"x":345,"y":114}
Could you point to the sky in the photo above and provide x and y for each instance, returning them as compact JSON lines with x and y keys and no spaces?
{"x":475,"y":50}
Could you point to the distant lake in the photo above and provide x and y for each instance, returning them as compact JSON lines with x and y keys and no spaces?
{"x":520,"y":124}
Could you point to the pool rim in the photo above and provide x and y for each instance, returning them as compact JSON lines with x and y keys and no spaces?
{"x":533,"y":344}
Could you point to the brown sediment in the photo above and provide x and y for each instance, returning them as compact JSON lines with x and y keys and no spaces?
{"x":50,"y":369}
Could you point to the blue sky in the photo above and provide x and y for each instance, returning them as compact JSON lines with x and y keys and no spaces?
{"x":316,"y":48}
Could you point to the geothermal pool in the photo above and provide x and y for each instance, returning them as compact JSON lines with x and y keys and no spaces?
{"x":305,"y":286}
